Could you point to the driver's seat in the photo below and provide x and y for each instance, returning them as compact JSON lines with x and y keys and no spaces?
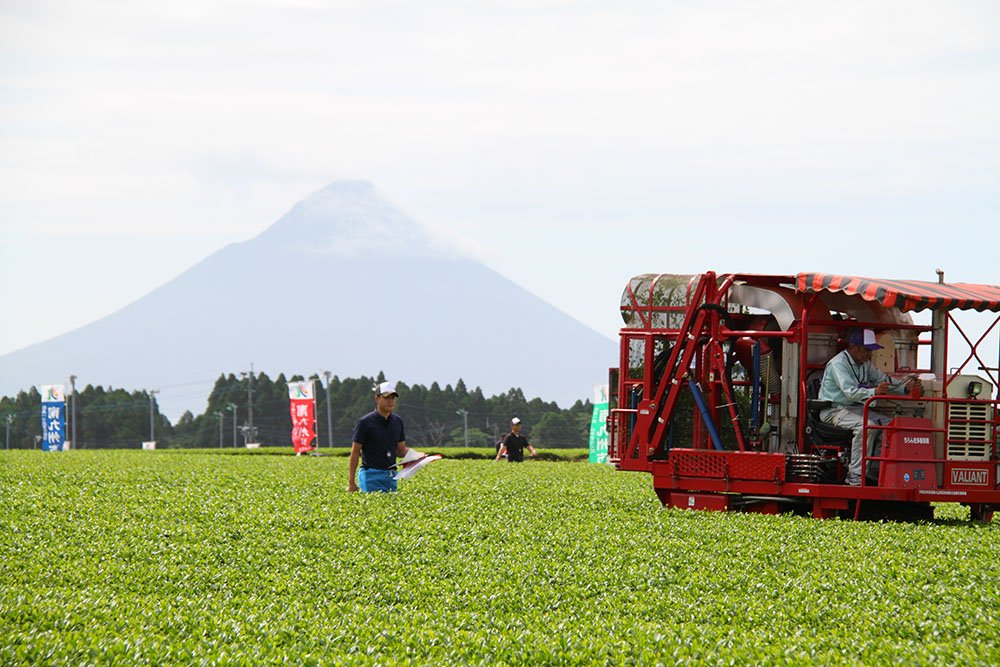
{"x":823,"y":435}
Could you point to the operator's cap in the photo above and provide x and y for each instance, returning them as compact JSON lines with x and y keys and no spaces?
{"x":386,"y":388}
{"x":865,"y":338}
{"x":515,"y":420}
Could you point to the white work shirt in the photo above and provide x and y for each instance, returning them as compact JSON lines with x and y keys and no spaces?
{"x":848,"y":383}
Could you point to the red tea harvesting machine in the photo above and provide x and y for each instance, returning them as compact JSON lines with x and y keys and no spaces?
{"x":716,"y":392}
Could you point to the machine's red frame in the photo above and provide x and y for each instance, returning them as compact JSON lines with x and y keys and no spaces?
{"x":750,"y":474}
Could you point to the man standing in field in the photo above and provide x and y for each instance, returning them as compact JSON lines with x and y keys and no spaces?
{"x":514,"y":444}
{"x":378,"y":440}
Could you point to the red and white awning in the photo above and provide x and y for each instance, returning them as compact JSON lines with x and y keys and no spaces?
{"x":906,"y":295}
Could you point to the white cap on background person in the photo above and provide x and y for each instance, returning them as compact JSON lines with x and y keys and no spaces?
{"x":386,"y":388}
{"x":515,"y":420}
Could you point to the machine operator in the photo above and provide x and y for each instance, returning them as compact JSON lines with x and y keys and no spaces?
{"x":849,"y":380}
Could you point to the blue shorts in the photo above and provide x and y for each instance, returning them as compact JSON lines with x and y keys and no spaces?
{"x":374,"y":479}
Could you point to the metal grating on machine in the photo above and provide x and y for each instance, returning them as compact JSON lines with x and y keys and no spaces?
{"x":727,"y":465}
{"x":969,"y":431}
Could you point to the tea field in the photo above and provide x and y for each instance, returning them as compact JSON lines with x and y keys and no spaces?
{"x":192,"y":558}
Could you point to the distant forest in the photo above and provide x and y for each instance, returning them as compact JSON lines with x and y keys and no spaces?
{"x":434,"y":417}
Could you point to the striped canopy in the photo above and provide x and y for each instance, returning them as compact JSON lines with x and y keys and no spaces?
{"x":905,"y":294}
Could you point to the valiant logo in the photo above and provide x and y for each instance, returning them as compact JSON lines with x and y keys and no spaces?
{"x":970,"y":476}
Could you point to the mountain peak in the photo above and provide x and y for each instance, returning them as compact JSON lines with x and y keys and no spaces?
{"x":350,"y":219}
{"x":295,"y":309}
{"x":343,"y":189}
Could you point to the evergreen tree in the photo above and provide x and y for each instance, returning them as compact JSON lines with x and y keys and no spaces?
{"x":117,"y":418}
{"x":556,"y":429}
{"x":25,"y":424}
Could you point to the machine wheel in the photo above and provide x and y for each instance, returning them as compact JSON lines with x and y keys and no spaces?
{"x":981,"y":512}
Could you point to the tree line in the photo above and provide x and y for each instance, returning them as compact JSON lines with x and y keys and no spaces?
{"x":434,"y":416}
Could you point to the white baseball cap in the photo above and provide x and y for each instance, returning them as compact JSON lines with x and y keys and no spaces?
{"x":865,"y":338}
{"x":515,"y":420}
{"x":386,"y":388}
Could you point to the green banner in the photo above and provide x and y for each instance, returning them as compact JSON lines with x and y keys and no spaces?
{"x":598,"y":426}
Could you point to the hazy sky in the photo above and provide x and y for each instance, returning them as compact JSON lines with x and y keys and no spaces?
{"x":569,"y":145}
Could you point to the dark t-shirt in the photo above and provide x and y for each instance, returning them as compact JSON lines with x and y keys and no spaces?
{"x":379,"y":438}
{"x":515,"y":447}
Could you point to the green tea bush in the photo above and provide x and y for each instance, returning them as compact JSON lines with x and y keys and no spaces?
{"x":128,"y":557}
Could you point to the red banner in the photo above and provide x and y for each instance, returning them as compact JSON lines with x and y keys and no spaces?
{"x":302,"y":406}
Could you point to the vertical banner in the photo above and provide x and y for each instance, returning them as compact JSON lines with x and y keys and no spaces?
{"x":598,"y":425}
{"x":302,"y":405}
{"x":53,"y":417}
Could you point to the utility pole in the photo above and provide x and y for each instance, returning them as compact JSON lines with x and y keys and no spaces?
{"x":250,"y":403}
{"x":72,"y":399}
{"x":232,"y":407}
{"x":10,"y":418}
{"x":152,"y":423}
{"x":250,"y":431}
{"x":329,"y":417}
{"x":218,"y":414}
{"x":465,"y":419}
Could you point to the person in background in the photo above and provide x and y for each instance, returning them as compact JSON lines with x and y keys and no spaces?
{"x":514,"y":444}
{"x":378,"y":439}
{"x":849,"y":380}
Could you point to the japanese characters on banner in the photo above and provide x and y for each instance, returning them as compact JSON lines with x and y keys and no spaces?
{"x":302,"y":405}
{"x":53,"y":417}
{"x":598,"y":425}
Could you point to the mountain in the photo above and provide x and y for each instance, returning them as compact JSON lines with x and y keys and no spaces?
{"x":343,"y":282}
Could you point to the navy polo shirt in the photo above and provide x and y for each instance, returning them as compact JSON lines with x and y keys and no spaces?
{"x":379,"y":438}
{"x":515,"y":447}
